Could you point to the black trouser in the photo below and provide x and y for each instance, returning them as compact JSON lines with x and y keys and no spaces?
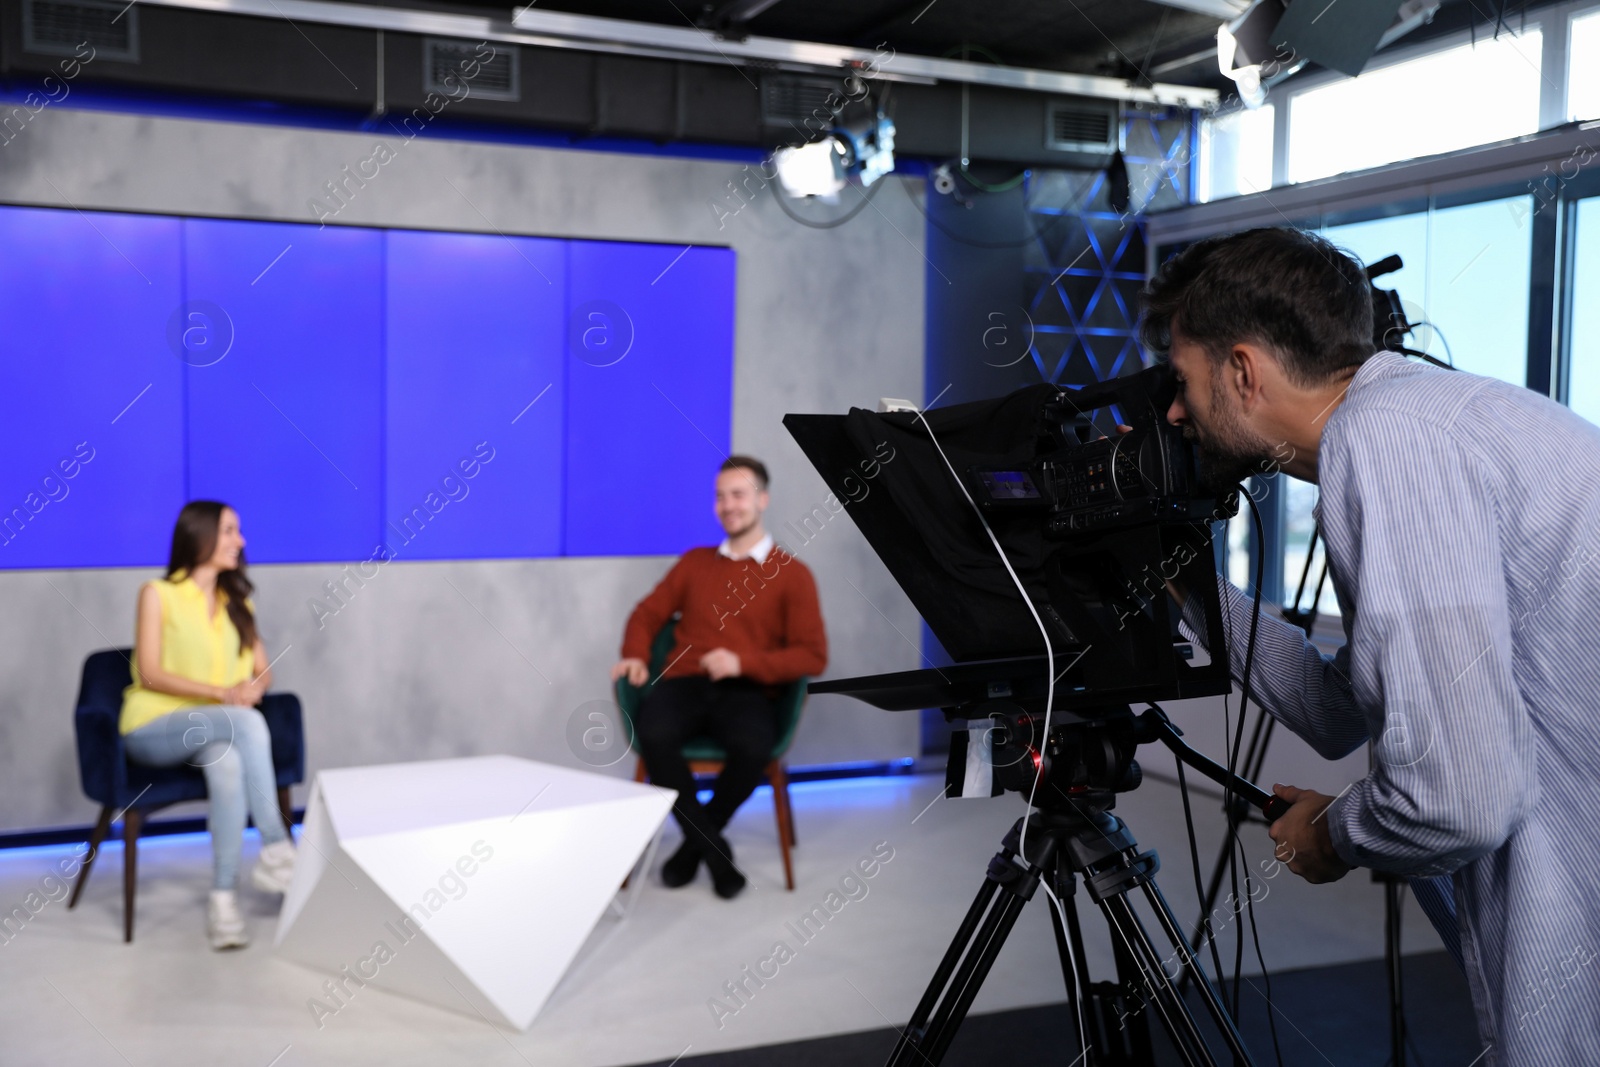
{"x":736,"y":713}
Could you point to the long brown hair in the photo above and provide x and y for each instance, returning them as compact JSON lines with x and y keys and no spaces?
{"x":194,"y":541}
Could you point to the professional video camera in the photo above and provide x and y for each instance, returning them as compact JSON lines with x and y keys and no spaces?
{"x":1045,"y":538}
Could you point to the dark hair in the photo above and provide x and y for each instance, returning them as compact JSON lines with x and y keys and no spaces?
{"x":746,"y":463}
{"x":194,"y":541}
{"x":1290,"y":291}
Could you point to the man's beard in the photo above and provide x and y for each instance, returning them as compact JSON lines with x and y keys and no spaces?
{"x":734,"y":535}
{"x":1229,"y":451}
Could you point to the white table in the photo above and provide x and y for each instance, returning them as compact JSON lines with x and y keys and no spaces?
{"x":469,"y":883}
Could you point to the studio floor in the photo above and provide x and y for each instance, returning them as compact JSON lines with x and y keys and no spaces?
{"x":648,"y":991}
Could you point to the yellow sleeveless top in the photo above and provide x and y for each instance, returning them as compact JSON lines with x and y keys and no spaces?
{"x":197,"y":647}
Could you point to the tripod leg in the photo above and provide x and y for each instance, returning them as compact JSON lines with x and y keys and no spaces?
{"x":1392,"y":901}
{"x":1008,"y":885}
{"x":969,"y":977}
{"x":1151,"y":983}
{"x":1191,"y":966}
{"x":1116,"y":1037}
{"x":1069,"y":970}
{"x":905,"y":1050}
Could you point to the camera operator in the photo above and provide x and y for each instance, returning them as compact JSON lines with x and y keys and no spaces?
{"x":1460,"y":514}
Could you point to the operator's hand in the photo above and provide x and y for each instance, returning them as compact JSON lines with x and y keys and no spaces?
{"x":720,"y":664}
{"x":637,"y":671}
{"x":1302,"y":838}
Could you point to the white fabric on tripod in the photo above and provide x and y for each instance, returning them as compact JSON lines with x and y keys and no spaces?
{"x":979,"y":779}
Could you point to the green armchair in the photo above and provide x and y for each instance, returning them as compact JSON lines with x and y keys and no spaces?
{"x":706,"y":756}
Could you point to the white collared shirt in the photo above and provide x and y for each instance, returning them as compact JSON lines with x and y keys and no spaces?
{"x":759,"y":553}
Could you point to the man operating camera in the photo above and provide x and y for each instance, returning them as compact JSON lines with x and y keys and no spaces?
{"x":1460,"y":515}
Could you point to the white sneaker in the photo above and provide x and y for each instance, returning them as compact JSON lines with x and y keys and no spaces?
{"x":274,"y":870}
{"x":224,"y":924}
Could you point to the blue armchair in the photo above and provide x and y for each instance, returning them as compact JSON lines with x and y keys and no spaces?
{"x":133,"y":790}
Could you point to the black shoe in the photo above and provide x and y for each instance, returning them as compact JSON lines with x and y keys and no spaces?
{"x":727,"y":884}
{"x":680,"y":868}
{"x":725,"y":877}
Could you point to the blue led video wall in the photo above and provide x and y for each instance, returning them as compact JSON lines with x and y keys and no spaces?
{"x":354,"y":391}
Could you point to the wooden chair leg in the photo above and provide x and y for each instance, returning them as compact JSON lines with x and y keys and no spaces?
{"x":779,"y":779}
{"x":132,"y":823}
{"x":101,"y":828}
{"x":779,"y":776}
{"x":285,"y":807}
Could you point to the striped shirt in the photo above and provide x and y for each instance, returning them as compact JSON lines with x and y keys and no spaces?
{"x":1461,"y":518}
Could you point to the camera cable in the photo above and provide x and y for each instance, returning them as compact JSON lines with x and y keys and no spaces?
{"x":1049,"y":651}
{"x":1072,"y":962}
{"x":1236,"y":744}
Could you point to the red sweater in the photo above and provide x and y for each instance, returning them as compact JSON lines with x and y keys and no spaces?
{"x":765,"y":613}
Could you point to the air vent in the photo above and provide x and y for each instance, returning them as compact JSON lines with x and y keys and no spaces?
{"x":789,"y":100}
{"x":497,"y":77}
{"x":64,"y":27}
{"x":1074,"y":127}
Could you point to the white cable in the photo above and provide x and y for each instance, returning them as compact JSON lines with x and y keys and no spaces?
{"x":1072,"y":960}
{"x":1049,"y":652}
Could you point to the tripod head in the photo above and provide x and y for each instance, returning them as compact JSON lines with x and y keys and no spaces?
{"x":1083,"y":763}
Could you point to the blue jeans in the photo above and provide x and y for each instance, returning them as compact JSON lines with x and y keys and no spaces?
{"x":232,"y":747}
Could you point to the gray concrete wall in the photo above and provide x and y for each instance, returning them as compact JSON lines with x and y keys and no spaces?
{"x":456,"y":658}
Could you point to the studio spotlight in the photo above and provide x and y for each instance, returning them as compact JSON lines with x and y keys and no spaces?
{"x":1251,"y":41}
{"x":863,"y":150}
{"x":815,"y":169}
{"x":1273,"y":39}
{"x":869,"y":147}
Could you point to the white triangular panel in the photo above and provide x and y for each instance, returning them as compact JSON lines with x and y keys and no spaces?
{"x":469,"y":883}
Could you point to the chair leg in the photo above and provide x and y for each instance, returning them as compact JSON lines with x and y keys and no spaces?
{"x":778,"y":776}
{"x":285,"y":808}
{"x":782,"y":791}
{"x":132,"y":823}
{"x":98,"y":835}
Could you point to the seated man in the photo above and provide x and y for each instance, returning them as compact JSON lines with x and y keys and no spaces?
{"x":749,"y":624}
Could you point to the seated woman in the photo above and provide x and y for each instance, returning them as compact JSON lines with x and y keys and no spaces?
{"x":199,"y":670}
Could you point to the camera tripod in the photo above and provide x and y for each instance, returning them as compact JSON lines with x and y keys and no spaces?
{"x":1069,"y":837}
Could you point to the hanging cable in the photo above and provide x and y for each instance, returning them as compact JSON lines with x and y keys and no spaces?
{"x":1038,"y":233}
{"x":866,"y":198}
{"x":1072,"y":962}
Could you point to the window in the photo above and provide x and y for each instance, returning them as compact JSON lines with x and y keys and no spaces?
{"x":1299,"y":498}
{"x":1583,"y":67}
{"x":1235,"y":153}
{"x":1479,"y":261}
{"x":1465,"y":276}
{"x":1455,"y":98}
{"x":1584,"y":385}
